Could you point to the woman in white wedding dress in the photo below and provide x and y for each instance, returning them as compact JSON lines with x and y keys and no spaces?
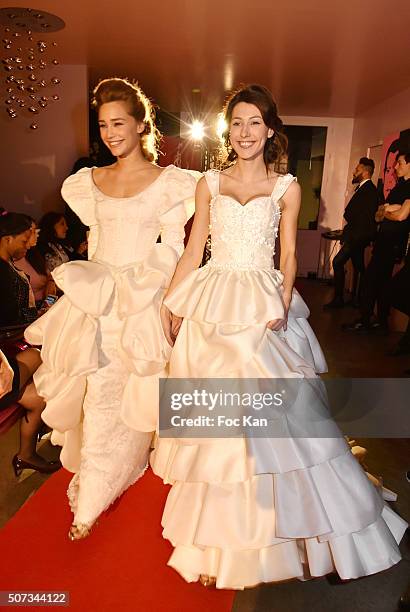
{"x":247,"y":510}
{"x":103,"y":347}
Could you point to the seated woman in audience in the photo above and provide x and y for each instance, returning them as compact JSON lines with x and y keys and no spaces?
{"x":34,"y":266}
{"x":53,"y":243}
{"x":17,"y":304}
{"x":16,"y":385}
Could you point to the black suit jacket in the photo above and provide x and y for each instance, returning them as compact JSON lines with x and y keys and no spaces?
{"x":359,"y":214}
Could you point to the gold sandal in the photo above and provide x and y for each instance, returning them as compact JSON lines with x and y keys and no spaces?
{"x":207,"y":581}
{"x":79,"y":532}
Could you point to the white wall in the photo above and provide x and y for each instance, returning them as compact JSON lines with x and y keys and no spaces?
{"x":347,"y":140}
{"x":35,"y":162}
{"x":371,"y":126}
{"x":333,"y":194}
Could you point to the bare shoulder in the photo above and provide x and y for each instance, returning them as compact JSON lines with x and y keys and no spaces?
{"x":290,"y":200}
{"x":227,"y":173}
{"x":293,"y":191}
{"x":202,"y":189}
{"x":154,"y":169}
{"x":101,"y":173}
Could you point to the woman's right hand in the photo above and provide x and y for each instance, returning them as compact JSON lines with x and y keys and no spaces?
{"x":166,"y":322}
{"x":176,"y":323}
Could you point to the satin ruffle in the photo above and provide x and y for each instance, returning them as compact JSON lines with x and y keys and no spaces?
{"x":227,"y":324}
{"x":260,"y":510}
{"x":297,"y":519}
{"x":370,"y":550}
{"x":68,"y":336}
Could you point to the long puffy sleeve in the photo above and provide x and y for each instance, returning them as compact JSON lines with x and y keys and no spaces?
{"x":77,"y":192}
{"x":177,"y":207}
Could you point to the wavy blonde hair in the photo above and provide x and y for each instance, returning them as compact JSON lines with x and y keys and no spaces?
{"x":139,"y":107}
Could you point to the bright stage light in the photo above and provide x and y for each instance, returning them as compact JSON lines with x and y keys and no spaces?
{"x":220,"y":125}
{"x":197,"y":130}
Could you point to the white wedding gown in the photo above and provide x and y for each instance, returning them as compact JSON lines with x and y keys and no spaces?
{"x":252,"y":510}
{"x":103,"y":347}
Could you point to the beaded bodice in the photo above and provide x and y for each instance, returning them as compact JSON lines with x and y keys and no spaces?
{"x":244,"y":236}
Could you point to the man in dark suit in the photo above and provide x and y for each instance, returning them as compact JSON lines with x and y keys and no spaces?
{"x":359,"y":230}
{"x":389,"y":248}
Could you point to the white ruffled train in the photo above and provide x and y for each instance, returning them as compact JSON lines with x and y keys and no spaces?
{"x":259,"y":510}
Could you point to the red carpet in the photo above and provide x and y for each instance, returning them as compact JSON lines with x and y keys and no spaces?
{"x":120,"y":567}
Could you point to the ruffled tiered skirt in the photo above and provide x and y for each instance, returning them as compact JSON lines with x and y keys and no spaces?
{"x":252,"y":510}
{"x":103,"y":350}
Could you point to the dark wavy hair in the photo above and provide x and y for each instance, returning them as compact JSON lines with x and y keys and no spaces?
{"x":262,"y":98}
{"x":405,"y":153}
{"x":139,"y":107}
{"x":34,"y":255}
{"x":13,"y":224}
{"x":47,"y":232}
{"x":368,"y":164}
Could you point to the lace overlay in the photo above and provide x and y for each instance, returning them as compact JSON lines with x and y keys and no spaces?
{"x":113,"y":456}
{"x":243,"y":236}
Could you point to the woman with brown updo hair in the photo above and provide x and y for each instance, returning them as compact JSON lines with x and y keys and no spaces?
{"x":103,"y":347}
{"x":275,"y":493}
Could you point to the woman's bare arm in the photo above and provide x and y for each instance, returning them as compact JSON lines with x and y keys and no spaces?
{"x":193,"y":253}
{"x":191,"y":257}
{"x":288,"y":231}
{"x":288,"y":262}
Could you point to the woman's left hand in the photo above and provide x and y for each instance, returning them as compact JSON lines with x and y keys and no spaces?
{"x":277,"y":324}
{"x":166,"y":322}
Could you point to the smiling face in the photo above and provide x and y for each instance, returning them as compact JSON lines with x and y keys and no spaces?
{"x":248,"y":132}
{"x":119,"y":130}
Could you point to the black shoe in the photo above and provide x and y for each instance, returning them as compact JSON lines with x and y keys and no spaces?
{"x":335,"y":303}
{"x":378,"y":328}
{"x":48,"y":468}
{"x":404,"y":601}
{"x":357,"y":327}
